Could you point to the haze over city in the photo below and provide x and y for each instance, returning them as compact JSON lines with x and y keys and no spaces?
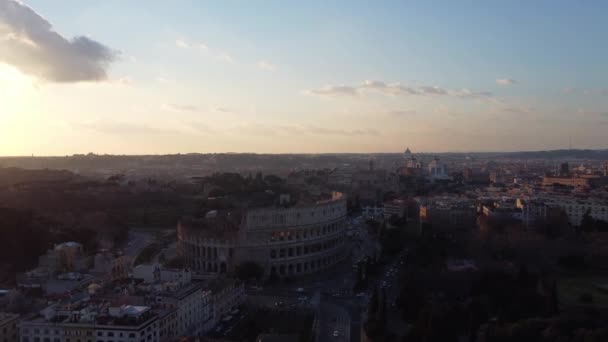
{"x":262,"y":76}
{"x":303,"y":171}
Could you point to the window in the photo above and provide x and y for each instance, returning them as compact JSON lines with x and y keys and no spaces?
{"x":99,"y":333}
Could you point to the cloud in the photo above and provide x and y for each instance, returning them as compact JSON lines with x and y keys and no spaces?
{"x":468,"y":94}
{"x":265,"y":65}
{"x":334,"y":91}
{"x":28,"y":42}
{"x":394,"y":89}
{"x":179,"y":108}
{"x":387,"y":88}
{"x":185,"y":44}
{"x":180,"y":43}
{"x":505,"y":81}
{"x":426,"y":90}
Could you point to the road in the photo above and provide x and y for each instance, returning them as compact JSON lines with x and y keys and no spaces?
{"x":330,"y":291}
{"x":335,"y":323}
{"x":136,"y":242}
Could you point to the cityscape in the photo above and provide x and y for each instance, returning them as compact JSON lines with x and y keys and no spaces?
{"x":237,"y":171}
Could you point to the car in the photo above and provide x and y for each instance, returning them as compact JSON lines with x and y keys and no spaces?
{"x":300,"y":289}
{"x":302,"y":298}
{"x":336,"y":333}
{"x":360,"y":294}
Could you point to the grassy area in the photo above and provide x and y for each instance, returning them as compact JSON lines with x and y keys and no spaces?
{"x":573,"y":290}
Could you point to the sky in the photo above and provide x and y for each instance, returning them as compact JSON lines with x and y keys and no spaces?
{"x":159,"y":76}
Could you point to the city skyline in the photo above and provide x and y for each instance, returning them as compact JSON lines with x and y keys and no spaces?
{"x":163,"y":77}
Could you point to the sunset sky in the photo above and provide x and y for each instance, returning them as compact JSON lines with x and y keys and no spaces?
{"x":143,"y":77}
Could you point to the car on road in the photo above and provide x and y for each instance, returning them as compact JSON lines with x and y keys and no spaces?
{"x":336,"y":333}
{"x":300,"y":289}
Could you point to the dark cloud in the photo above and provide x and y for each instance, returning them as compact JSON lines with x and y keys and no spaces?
{"x":28,"y":42}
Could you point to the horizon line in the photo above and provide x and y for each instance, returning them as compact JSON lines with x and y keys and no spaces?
{"x":295,"y":153}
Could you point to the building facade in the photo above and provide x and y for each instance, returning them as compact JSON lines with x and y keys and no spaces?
{"x":577,"y":208}
{"x":8,"y":327}
{"x":78,"y":322}
{"x":444,"y":215}
{"x":532,"y":210}
{"x":285,"y":241}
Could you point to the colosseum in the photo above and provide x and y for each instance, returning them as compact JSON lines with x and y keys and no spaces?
{"x":286,"y":240}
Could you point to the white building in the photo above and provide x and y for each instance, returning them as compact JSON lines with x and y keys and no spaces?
{"x":532,"y":210}
{"x":576,"y":208}
{"x":193,"y":305}
{"x":155,"y":273}
{"x":437,"y":170}
{"x":226,"y":296}
{"x":87,"y":322}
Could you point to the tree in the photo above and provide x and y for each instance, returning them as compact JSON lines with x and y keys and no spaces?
{"x":249,"y":270}
{"x":16,"y":302}
{"x":372,"y":307}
